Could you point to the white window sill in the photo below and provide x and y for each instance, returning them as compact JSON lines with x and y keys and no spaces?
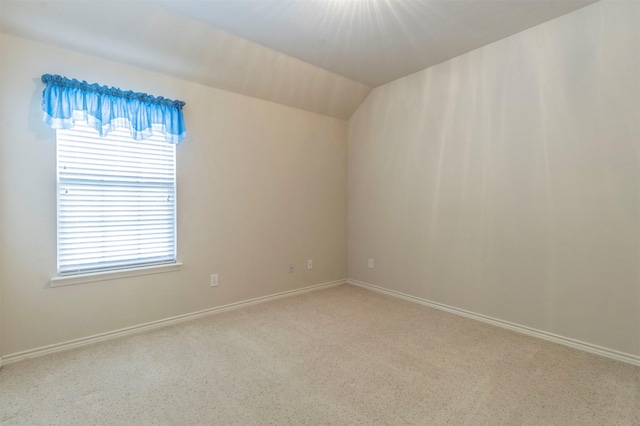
{"x":113,"y":275}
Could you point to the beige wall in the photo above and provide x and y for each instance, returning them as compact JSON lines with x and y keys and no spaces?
{"x":259,"y":185}
{"x":507,"y":181}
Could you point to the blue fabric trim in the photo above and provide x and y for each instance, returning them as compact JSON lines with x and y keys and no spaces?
{"x":106,"y":108}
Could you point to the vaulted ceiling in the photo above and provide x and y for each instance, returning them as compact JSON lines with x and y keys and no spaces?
{"x":323,"y":56}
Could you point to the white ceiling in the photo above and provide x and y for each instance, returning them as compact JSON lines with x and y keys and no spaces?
{"x":318,"y":55}
{"x":373,"y":41}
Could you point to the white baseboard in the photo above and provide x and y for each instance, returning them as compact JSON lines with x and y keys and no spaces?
{"x":70,"y":344}
{"x":83,"y":341}
{"x":566,"y":341}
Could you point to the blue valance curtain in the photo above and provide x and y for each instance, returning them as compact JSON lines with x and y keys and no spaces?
{"x":107,"y":108}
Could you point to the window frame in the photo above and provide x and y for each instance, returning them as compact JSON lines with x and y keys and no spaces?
{"x":127,"y":268}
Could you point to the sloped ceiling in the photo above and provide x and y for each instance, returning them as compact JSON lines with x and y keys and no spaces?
{"x":149,"y":36}
{"x":373,"y":41}
{"x":322,"y":56}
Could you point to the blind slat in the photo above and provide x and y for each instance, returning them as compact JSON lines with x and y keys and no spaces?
{"x":122,"y":227}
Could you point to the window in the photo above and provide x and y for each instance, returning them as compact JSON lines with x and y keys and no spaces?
{"x":116,"y":201}
{"x":116,"y":188}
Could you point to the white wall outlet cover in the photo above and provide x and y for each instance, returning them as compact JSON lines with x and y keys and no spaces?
{"x":370,"y":264}
{"x":290,"y":267}
{"x":310,"y":264}
{"x":214,"y":280}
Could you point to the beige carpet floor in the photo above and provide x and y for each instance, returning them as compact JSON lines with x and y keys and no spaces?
{"x":338,"y":356}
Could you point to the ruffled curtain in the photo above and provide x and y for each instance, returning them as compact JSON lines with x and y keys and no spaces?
{"x":107,"y":108}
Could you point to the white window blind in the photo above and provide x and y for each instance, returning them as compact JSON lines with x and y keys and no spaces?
{"x":116,"y":201}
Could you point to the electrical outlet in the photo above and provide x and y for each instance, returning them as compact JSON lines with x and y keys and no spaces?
{"x":290,"y":267}
{"x":310,"y":264}
{"x":214,"y":280}
{"x":370,"y":264}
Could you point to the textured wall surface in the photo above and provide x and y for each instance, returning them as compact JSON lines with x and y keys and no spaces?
{"x":506,"y":181}
{"x":259,"y":185}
